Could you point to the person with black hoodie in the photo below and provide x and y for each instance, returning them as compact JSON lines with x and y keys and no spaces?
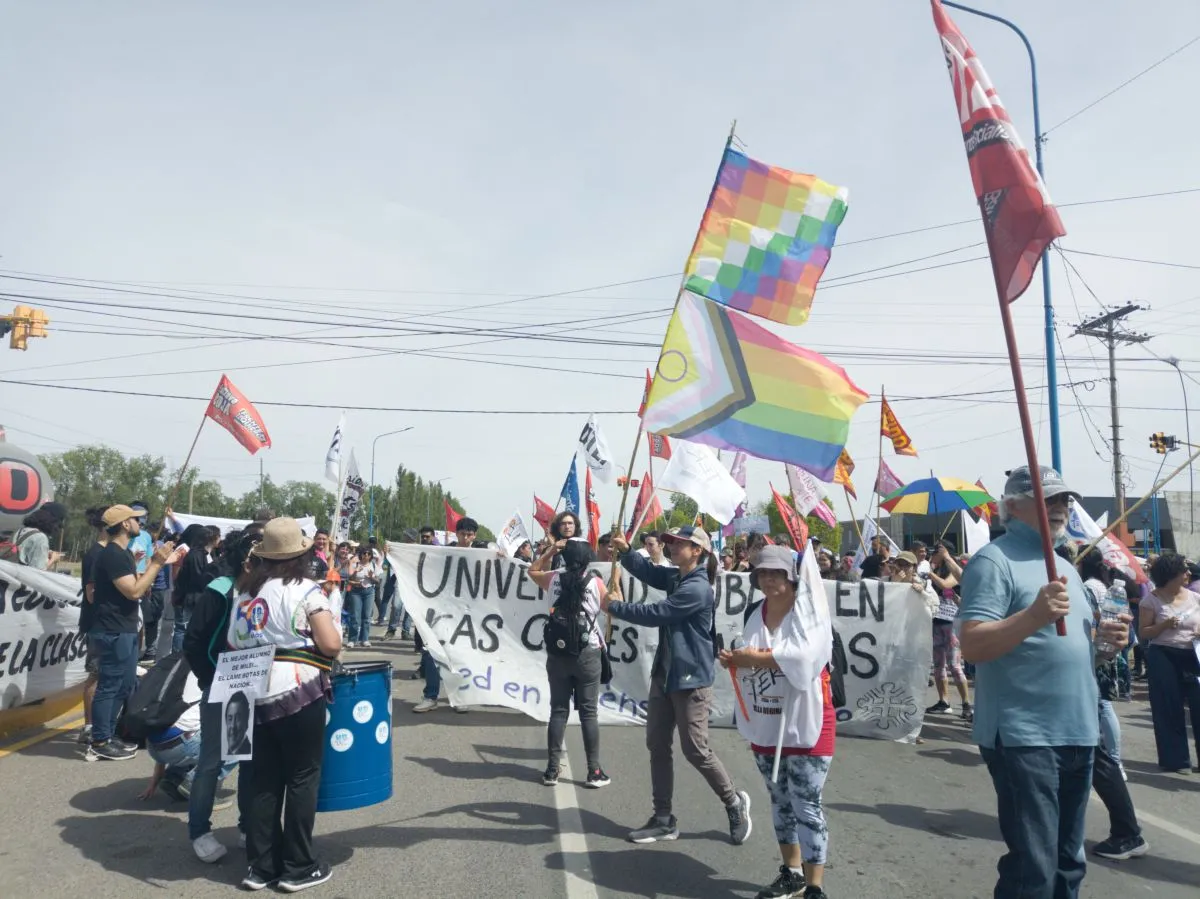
{"x":202,"y":645}
{"x":194,"y":575}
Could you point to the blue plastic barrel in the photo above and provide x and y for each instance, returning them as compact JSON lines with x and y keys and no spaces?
{"x":357,"y":770}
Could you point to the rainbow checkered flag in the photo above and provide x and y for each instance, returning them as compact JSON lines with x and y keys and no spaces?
{"x":765,"y":239}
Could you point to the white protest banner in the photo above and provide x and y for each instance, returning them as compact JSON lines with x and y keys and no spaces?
{"x":695,"y":471}
{"x":241,"y":671}
{"x":482,"y":617}
{"x":179,"y":522}
{"x":352,"y":491}
{"x":512,"y":535}
{"x":41,"y":649}
{"x":594,"y":449}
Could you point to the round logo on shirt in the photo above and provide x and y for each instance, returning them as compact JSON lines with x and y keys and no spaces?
{"x":250,"y":618}
{"x":341,"y":739}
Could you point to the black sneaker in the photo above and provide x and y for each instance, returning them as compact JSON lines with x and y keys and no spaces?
{"x":391,"y":632}
{"x":786,"y":885}
{"x":550,"y":777}
{"x":112,"y":751}
{"x":597,"y":778}
{"x":814,"y":892}
{"x":967,"y":713}
{"x":319,"y":875}
{"x":255,"y":882}
{"x":655,"y":830}
{"x":938,"y":708}
{"x":739,"y":818}
{"x":1121,"y":849}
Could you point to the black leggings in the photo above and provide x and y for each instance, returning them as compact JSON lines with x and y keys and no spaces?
{"x":283,"y":805}
{"x":577,"y":676}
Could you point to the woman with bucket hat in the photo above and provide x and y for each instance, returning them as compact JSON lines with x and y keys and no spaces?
{"x":278,"y":604}
{"x":681,"y":676}
{"x":786,"y":713}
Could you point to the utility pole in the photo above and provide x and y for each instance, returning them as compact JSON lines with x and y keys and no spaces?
{"x":1104,"y":328}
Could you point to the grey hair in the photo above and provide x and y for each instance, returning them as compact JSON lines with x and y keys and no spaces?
{"x":1005,"y":511}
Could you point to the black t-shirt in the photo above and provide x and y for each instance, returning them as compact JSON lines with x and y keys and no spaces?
{"x":87,"y":614}
{"x":320,"y":568}
{"x":113,"y":611}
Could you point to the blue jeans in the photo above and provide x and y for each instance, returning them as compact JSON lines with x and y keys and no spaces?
{"x":360,"y":603}
{"x":399,"y":617}
{"x":1042,"y":794}
{"x":1172,"y":673}
{"x":1110,"y":730}
{"x":180,"y":759}
{"x":182,"y":617}
{"x":433,"y":677}
{"x":208,"y":772}
{"x":117,"y":654}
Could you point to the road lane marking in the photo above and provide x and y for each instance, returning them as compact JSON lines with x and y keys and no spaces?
{"x":50,"y":730}
{"x":572,"y":843}
{"x":1160,"y":823}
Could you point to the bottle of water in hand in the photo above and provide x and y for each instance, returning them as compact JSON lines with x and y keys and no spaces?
{"x":1114,"y":603}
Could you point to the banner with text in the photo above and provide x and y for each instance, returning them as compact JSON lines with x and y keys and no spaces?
{"x":41,"y":649}
{"x":481,"y":617}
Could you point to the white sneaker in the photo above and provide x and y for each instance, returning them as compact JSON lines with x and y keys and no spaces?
{"x":208,"y":848}
{"x":365,"y":644}
{"x":425,"y":705}
{"x":348,"y":645}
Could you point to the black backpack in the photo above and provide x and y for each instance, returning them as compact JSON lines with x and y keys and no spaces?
{"x":567,"y":629}
{"x":158,"y":702}
{"x":836,"y":666}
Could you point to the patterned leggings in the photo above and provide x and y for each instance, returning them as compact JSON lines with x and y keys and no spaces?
{"x":946,"y":654}
{"x":796,"y":802}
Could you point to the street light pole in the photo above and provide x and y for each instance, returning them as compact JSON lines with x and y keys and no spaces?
{"x":371,"y":491}
{"x":1187,"y":419}
{"x":1047,"y":304}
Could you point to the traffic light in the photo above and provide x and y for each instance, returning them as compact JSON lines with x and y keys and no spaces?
{"x":621,"y":482}
{"x":24,"y":323}
{"x":1162,"y":444}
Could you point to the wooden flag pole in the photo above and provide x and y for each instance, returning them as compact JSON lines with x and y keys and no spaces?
{"x":174,"y":494}
{"x":853,"y":515}
{"x":1027,"y":432}
{"x":616,"y":566}
{"x":1141,"y":502}
{"x":878,"y":497}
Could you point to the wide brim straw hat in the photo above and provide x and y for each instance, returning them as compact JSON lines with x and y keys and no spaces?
{"x":282,"y":539}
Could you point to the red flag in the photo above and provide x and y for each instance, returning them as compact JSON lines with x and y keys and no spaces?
{"x":660,"y":446}
{"x":452,"y":517}
{"x":890,"y":428}
{"x":647,"y":507}
{"x":543,"y":513}
{"x":645,"y":394}
{"x":886,"y":481}
{"x":796,"y":526}
{"x":988,"y":511}
{"x":231,"y":410}
{"x":593,"y":513}
{"x":1018,"y":217}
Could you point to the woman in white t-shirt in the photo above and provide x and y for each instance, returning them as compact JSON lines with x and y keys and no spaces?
{"x":782,"y":670}
{"x":574,"y":652}
{"x":277,"y":604}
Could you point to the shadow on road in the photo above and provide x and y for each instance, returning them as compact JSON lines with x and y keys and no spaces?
{"x":955,"y":824}
{"x":653,"y":871}
{"x":1150,"y":775}
{"x":482,"y":770}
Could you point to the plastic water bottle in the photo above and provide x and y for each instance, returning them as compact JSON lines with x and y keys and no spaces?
{"x":1115,"y":603}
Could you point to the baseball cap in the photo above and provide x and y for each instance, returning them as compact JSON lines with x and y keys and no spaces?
{"x":908,"y":557}
{"x":114,"y":515}
{"x":774,"y":558}
{"x":690,"y":534}
{"x":1020,"y":483}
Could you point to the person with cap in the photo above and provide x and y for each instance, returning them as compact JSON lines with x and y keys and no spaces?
{"x":902,"y":569}
{"x":782,"y":670}
{"x":1036,"y":722}
{"x":681,"y":675}
{"x":117,"y":589}
{"x":32,"y":540}
{"x":278,"y":604}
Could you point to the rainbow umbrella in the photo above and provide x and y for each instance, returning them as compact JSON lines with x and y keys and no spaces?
{"x":935,"y":495}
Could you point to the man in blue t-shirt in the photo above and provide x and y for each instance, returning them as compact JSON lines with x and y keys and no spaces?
{"x":1036,"y":718}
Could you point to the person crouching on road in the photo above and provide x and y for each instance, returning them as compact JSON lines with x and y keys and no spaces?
{"x":681,"y":676}
{"x":574,"y":652}
{"x":782,"y":669}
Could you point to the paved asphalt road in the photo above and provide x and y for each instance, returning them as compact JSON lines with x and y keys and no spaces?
{"x":470,"y":818}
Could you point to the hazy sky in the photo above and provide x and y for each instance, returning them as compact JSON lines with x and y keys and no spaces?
{"x":439,"y":166}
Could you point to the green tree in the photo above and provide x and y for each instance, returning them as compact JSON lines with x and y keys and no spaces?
{"x":828,"y":536}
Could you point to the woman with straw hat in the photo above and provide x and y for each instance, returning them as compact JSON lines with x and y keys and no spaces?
{"x":279,"y":605}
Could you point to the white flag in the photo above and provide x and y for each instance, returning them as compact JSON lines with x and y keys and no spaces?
{"x":512,"y":535}
{"x":978,"y":533}
{"x":333,"y":456}
{"x":1081,"y":528}
{"x":870,"y":531}
{"x":352,"y":491}
{"x":695,"y":471}
{"x":812,"y":606}
{"x":808,"y":495}
{"x":594,"y":449}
